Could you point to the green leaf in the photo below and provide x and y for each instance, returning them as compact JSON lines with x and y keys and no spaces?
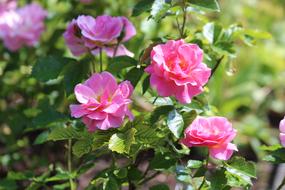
{"x":159,"y":187}
{"x":121,"y":142}
{"x":207,"y":4}
{"x":212,"y":32}
{"x":162,"y":161}
{"x":159,"y":9}
{"x":74,"y":74}
{"x":194,"y":164}
{"x":160,"y":111}
{"x":175,"y":123}
{"x":8,"y":184}
{"x":145,"y":84}
{"x":42,"y":138}
{"x":134,"y":75}
{"x":276,"y":154}
{"x":49,"y":67}
{"x":82,"y":147}
{"x":239,"y":172}
{"x":111,"y":184}
{"x":64,"y":133}
{"x":189,"y":117}
{"x":217,"y":180}
{"x":134,"y":174}
{"x":142,"y":6}
{"x":117,"y":64}
{"x":25,"y":175}
{"x":121,"y":173}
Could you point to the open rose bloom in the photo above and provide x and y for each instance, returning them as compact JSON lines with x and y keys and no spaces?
{"x":103,"y":102}
{"x":177,"y":70}
{"x":6,"y":5}
{"x":88,"y":34}
{"x":216,"y":133}
{"x":22,"y":26}
{"x":282,"y":132}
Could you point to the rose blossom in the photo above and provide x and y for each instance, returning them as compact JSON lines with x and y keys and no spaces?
{"x":216,"y":133}
{"x":282,"y":132}
{"x":103,"y":102}
{"x":89,"y":34}
{"x":22,"y":26}
{"x":176,"y":69}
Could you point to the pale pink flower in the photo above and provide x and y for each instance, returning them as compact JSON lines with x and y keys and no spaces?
{"x":282,"y":132}
{"x":176,"y":69}
{"x":103,"y":102}
{"x":22,"y":26}
{"x":103,"y":33}
{"x":7,"y":5}
{"x":216,"y":133}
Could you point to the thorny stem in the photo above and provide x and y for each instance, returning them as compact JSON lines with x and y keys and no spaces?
{"x":216,"y":66}
{"x":69,"y":164}
{"x":206,"y":166}
{"x":101,"y":62}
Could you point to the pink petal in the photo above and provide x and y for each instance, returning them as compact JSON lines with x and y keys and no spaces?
{"x":223,"y":152}
{"x":84,"y":94}
{"x":122,"y":50}
{"x":77,"y":111}
{"x":282,"y":138}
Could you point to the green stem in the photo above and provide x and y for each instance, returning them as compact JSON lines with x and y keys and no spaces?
{"x":184,"y":19}
{"x":155,"y":100}
{"x":101,"y":62}
{"x":116,"y":49}
{"x":216,"y":66}
{"x":69,"y":164}
{"x":206,"y":166}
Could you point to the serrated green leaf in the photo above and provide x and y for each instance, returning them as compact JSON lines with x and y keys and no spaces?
{"x":111,"y":184}
{"x":162,"y":161}
{"x":175,"y":123}
{"x":160,"y":111}
{"x":276,"y":154}
{"x":217,"y":180}
{"x":240,"y":164}
{"x":207,"y":4}
{"x":64,"y":133}
{"x":142,"y":6}
{"x":42,"y":138}
{"x":121,"y":173}
{"x":159,"y":9}
{"x":194,"y":164}
{"x":49,"y":67}
{"x":212,"y":32}
{"x":74,"y":74}
{"x":117,"y":64}
{"x":121,"y":142}
{"x":134,"y":75}
{"x":82,"y":147}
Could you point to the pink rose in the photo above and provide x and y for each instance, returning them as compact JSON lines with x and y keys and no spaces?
{"x":103,"y":103}
{"x":282,"y":132}
{"x":22,"y":26}
{"x":89,"y":34}
{"x":216,"y":133}
{"x":177,"y":70}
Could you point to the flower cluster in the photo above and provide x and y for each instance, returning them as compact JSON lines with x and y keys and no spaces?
{"x":104,"y":103}
{"x":106,"y":33}
{"x":216,"y":133}
{"x":177,"y":70}
{"x":21,"y":26}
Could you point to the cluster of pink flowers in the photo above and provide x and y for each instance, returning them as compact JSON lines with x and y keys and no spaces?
{"x":103,"y":103}
{"x":177,"y":70}
{"x":21,"y":26}
{"x":282,"y":132}
{"x":216,"y":133}
{"x":87,"y":34}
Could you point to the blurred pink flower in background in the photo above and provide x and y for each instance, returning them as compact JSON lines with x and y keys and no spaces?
{"x":216,"y":133}
{"x":177,"y":70}
{"x":22,"y":26}
{"x":105,"y":32}
{"x":282,"y":132}
{"x":6,"y":5}
{"x":103,"y":102}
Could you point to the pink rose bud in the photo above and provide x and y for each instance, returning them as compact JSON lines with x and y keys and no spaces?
{"x":216,"y":133}
{"x":176,"y":69}
{"x":22,"y":26}
{"x":103,"y":102}
{"x":105,"y":32}
{"x":282,"y":132}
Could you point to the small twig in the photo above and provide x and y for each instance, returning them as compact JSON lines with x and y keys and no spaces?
{"x":69,"y":164}
{"x":149,"y":178}
{"x":101,"y":62}
{"x":155,"y":100}
{"x":216,"y":66}
{"x":281,"y":185}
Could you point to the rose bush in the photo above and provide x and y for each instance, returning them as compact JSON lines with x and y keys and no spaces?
{"x":160,"y":104}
